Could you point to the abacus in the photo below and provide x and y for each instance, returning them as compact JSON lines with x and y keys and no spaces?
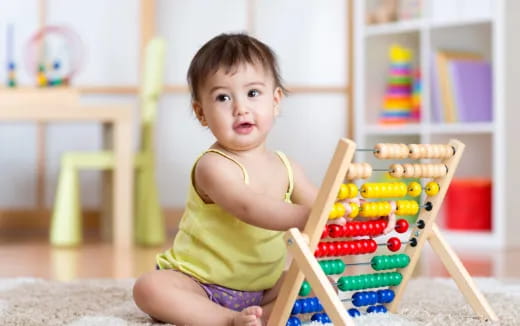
{"x":391,"y":272}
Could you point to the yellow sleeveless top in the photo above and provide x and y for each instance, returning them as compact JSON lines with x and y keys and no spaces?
{"x":216,"y":247}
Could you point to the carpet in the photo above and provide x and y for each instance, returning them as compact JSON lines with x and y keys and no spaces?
{"x":29,"y":301}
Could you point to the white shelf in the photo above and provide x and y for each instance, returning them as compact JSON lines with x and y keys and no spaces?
{"x":407,"y":129}
{"x":490,"y":146}
{"x":459,"y":23}
{"x":462,"y":128}
{"x":405,"y":26}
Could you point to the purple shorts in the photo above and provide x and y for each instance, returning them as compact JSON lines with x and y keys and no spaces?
{"x":232,"y":299}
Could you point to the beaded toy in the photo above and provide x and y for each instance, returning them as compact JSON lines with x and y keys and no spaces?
{"x":331,"y":232}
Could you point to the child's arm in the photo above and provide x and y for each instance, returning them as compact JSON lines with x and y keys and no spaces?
{"x":223,"y":183}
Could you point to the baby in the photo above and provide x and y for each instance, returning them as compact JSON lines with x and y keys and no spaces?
{"x":227,"y":259}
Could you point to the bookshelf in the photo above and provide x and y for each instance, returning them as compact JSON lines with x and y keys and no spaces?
{"x":485,"y":27}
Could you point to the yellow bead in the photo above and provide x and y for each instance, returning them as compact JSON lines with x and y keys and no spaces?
{"x":414,"y":189}
{"x":343,"y":191}
{"x":432,"y":188}
{"x":333,"y":214}
{"x":402,"y":189}
{"x":340,"y":209}
{"x":354,"y":210}
{"x":352,"y":190}
{"x":366,"y":190}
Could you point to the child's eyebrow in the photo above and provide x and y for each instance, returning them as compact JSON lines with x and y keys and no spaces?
{"x":255,"y":83}
{"x":215,"y":88}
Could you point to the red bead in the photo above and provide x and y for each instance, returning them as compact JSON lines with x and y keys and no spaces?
{"x":372,"y":245}
{"x":324,"y":248}
{"x":349,"y":229}
{"x":366,"y":246}
{"x":363,"y":227}
{"x":334,"y":230}
{"x":384,"y":223}
{"x":401,"y":226}
{"x":325,"y":233}
{"x":359,"y":247}
{"x":332,"y":249}
{"x":353,"y":248}
{"x":371,"y":230}
{"x":357,"y":229}
{"x":339,"y":249}
{"x":393,"y":244}
{"x":345,"y":250}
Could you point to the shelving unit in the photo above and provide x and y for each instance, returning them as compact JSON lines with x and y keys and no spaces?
{"x":491,"y":150}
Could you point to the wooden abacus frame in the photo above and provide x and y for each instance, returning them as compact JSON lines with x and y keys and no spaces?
{"x":302,"y":247}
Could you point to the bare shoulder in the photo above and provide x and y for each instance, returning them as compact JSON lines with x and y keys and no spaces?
{"x":215,"y":173}
{"x":304,"y":190}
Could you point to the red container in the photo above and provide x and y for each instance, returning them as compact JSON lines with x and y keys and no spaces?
{"x":468,"y":205}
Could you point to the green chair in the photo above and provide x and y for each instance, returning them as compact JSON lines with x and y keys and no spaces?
{"x":148,"y":222}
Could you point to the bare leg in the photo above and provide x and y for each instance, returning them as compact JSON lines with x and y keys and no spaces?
{"x":175,"y":298}
{"x":269,"y":298}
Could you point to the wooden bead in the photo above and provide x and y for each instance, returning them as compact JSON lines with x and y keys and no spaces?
{"x":408,"y":170}
{"x":381,"y":151}
{"x":396,"y":170}
{"x":403,"y":151}
{"x":414,"y":151}
{"x":367,"y":170}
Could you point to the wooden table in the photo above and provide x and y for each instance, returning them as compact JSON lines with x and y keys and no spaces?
{"x":121,"y":118}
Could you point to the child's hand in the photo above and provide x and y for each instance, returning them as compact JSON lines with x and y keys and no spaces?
{"x":391,"y":223}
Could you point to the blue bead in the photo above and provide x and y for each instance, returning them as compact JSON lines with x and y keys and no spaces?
{"x":377,"y":309}
{"x":311,"y":304}
{"x":320,"y":307}
{"x":317,"y":317}
{"x":353,"y":312}
{"x":293,"y":321}
{"x":357,"y":299}
{"x":385,"y":296}
{"x":297,"y":308}
{"x":304,"y":307}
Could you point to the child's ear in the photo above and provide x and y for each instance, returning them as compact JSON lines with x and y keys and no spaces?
{"x":277,"y":98}
{"x":197,"y":108}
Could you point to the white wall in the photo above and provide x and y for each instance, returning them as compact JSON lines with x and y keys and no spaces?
{"x":308,"y":35}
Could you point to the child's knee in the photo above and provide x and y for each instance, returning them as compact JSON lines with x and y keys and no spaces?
{"x":144,"y":290}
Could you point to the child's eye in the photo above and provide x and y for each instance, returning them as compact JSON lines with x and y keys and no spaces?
{"x":223,"y":98}
{"x":253,"y":93}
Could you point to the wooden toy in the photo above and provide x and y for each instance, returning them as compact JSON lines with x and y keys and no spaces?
{"x":390,"y":273}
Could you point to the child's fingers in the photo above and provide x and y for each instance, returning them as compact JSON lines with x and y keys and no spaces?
{"x":391,"y":224}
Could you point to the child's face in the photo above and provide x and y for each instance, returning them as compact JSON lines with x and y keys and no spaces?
{"x":239,"y":107}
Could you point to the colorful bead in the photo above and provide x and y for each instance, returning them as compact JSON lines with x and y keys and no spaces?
{"x":305,"y":289}
{"x":432,"y":188}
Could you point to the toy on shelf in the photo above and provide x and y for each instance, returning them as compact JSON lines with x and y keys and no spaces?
{"x":385,"y":11}
{"x":398,"y":101}
{"x":11,"y":65}
{"x":326,"y":238}
{"x":54,"y":55}
{"x":415,"y":114}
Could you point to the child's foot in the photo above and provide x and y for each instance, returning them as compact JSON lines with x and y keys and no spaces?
{"x":249,"y":317}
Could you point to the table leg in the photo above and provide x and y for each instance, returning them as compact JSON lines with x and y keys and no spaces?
{"x":123,"y":185}
{"x":107,"y":186}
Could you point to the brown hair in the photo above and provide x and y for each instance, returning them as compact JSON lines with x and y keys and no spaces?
{"x":228,"y":51}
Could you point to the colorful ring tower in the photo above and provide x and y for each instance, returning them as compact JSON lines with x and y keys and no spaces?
{"x":397,"y":104}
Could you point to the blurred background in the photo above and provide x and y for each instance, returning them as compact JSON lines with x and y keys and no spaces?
{"x":453,"y":63}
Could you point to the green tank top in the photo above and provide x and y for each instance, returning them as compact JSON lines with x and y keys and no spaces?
{"x":216,"y":247}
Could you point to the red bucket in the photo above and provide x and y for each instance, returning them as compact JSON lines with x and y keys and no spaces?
{"x":468,"y":205}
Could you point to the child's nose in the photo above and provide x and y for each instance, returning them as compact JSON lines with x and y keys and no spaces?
{"x":241,"y":108}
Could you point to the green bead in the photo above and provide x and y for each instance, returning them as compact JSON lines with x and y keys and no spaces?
{"x":338,"y":266}
{"x":305,"y":289}
{"x":344,"y":283}
{"x":376,"y":263}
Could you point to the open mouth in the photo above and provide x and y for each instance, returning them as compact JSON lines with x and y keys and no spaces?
{"x":244,"y":127}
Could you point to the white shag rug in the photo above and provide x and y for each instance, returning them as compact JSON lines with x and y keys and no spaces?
{"x":31,"y":302}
